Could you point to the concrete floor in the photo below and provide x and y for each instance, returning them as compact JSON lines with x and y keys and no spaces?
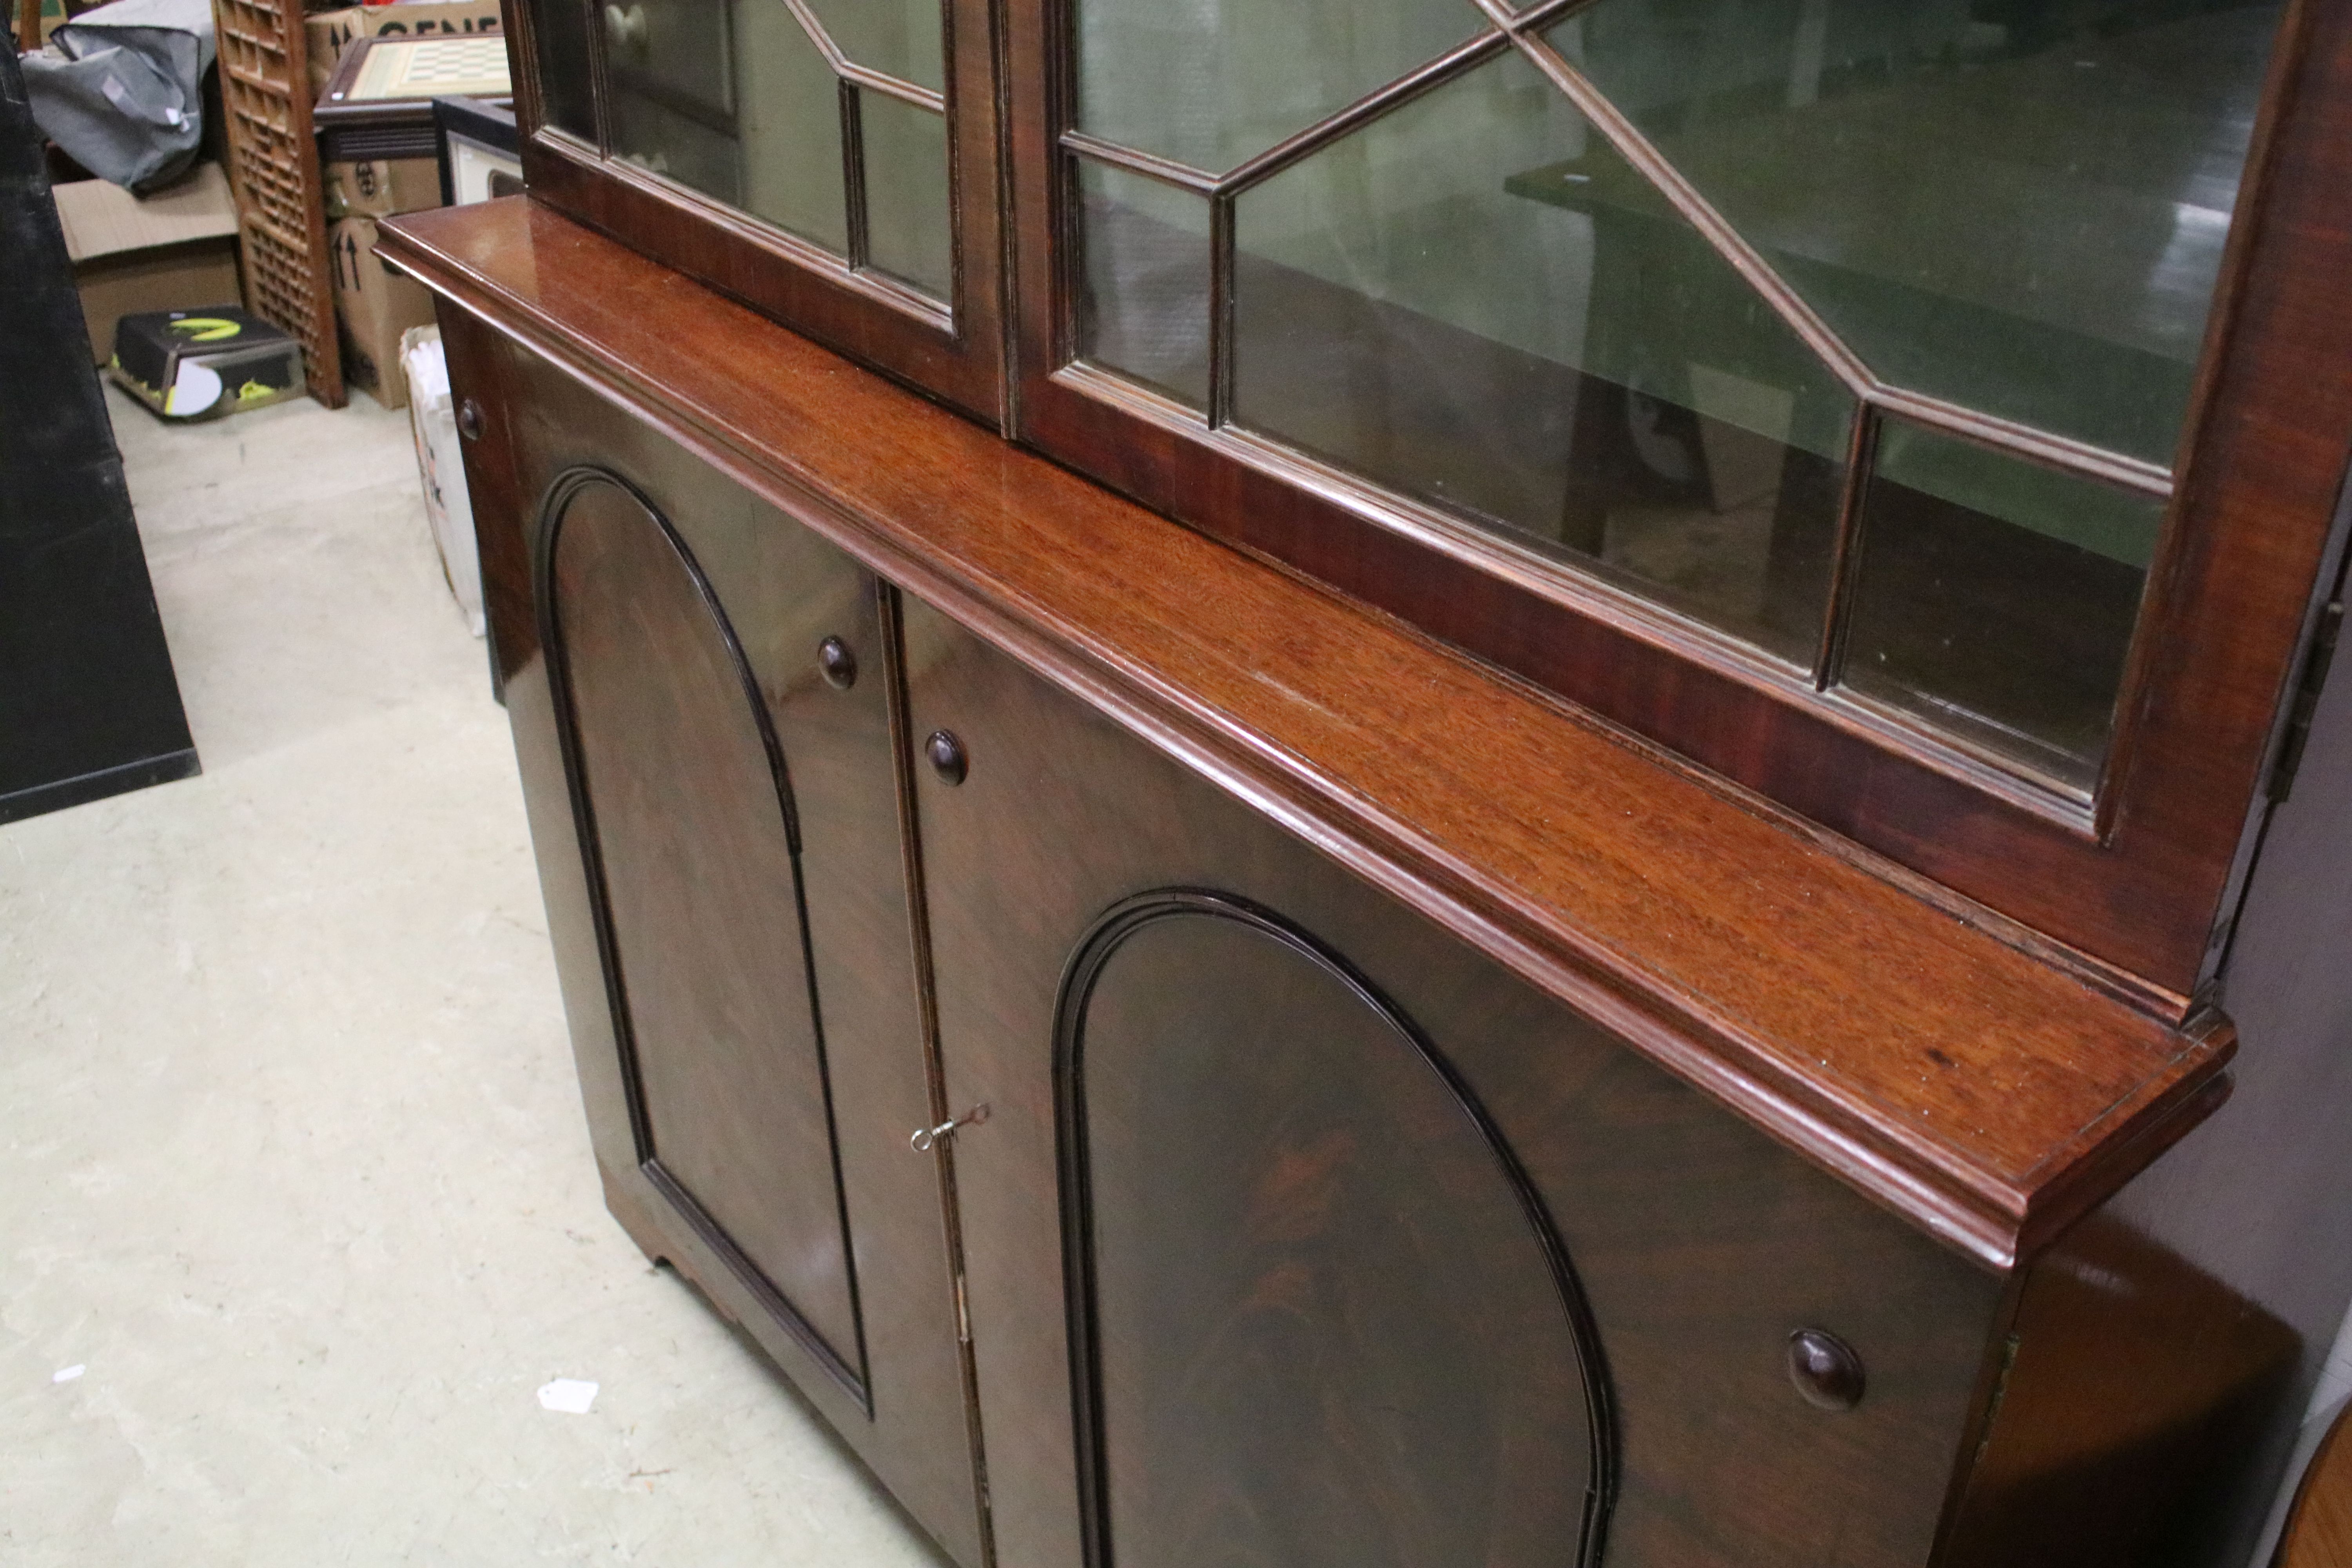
{"x":292,"y":1163}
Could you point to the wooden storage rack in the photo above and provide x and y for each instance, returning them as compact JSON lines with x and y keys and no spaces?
{"x":273,"y":164}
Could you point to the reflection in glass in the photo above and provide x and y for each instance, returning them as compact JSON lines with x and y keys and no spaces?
{"x":676,"y":53}
{"x":567,"y":98}
{"x":896,"y":38}
{"x":1143,"y":290}
{"x":2017,"y":204}
{"x":1474,"y":299}
{"x":1997,"y":598}
{"x":731,"y":98}
{"x":906,"y":224}
{"x":1211,"y":84}
{"x":648,"y":134}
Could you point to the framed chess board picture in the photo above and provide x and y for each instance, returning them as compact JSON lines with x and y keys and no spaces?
{"x":389,"y":82}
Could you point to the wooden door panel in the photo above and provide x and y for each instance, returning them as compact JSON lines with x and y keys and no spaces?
{"x":693,"y":826}
{"x":1699,"y":1245}
{"x":1319,"y":1318}
{"x":784,"y":590}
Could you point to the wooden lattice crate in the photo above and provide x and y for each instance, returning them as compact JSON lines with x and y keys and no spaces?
{"x":274,"y":169}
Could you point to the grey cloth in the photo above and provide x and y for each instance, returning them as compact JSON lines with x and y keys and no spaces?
{"x":121,"y":89}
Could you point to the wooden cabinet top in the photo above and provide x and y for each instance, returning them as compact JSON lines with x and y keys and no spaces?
{"x":1926,"y":1051}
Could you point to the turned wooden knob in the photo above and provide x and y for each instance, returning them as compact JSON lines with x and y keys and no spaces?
{"x":1825,"y":1370}
{"x":947,"y":758}
{"x":839,"y":664}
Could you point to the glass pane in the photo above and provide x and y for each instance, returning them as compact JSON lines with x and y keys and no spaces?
{"x":566,"y":96}
{"x":2018,"y":205}
{"x":1997,"y":598}
{"x":1143,"y":296}
{"x":1210,"y":85}
{"x":1475,"y":300}
{"x":647,"y":133}
{"x":906,"y":226}
{"x":896,"y":38}
{"x":676,"y":53}
{"x":792,"y":127}
{"x":679,"y":70}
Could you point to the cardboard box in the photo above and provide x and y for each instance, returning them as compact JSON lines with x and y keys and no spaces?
{"x":440,"y":463}
{"x":328,"y":33}
{"x":382,"y":187}
{"x":374,"y":305}
{"x":199,"y":364}
{"x":176,"y":251}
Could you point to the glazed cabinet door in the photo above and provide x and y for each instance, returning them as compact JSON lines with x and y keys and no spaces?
{"x":1299,"y":1235}
{"x":830,"y":162}
{"x":699,"y":689}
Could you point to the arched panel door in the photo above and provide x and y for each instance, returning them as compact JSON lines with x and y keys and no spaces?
{"x":1319,"y":1319}
{"x":686,"y":811}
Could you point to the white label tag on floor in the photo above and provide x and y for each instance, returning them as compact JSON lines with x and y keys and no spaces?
{"x":569,"y":1395}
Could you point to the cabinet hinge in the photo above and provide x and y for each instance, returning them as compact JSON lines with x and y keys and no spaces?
{"x":963,"y":1315}
{"x":2306,"y":700}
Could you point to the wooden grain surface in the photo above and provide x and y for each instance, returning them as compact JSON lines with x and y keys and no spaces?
{"x":1290,"y":1224}
{"x":693,"y":822}
{"x":2133,"y":1387}
{"x":1697,"y":1244}
{"x":1984,"y":1094}
{"x":784,"y":590}
{"x":2319,"y":1532}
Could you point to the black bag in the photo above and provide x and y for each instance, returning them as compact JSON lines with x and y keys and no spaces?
{"x":121,"y":89}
